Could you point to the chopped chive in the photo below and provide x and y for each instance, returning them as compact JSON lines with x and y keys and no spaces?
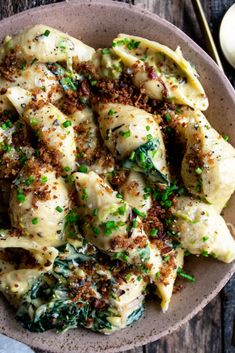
{"x":139,"y":213}
{"x":147,"y":189}
{"x":144,"y":58}
{"x":109,"y":227}
{"x":96,"y":230}
{"x":72,"y":217}
{"x":166,"y":203}
{"x":94,"y":83}
{"x":182,"y":274}
{"x":46,"y":33}
{"x":226,"y":137}
{"x":147,"y":127}
{"x":67,"y":123}
{"x":44,"y":179}
{"x":149,"y":137}
{"x":132,"y":156}
{"x":157,"y":275}
{"x":29,"y":180}
{"x":23,"y":158}
{"x":142,"y":157}
{"x":20,"y":196}
{"x":95,"y":212}
{"x":167,"y":117}
{"x":69,"y":179}
{"x":153,"y":232}
{"x":125,"y":257}
{"x":122,"y":209}
{"x":4,"y":126}
{"x":83,"y":168}
{"x":198,"y":170}
{"x":119,"y":196}
{"x":126,"y":133}
{"x":205,"y":253}
{"x":67,"y":169}
{"x":139,"y":278}
{"x":105,"y":51}
{"x":111,"y":112}
{"x":9,"y":123}
{"x":84,"y":194}
{"x":166,"y":258}
{"x":80,"y":155}
{"x":133,"y":44}
{"x":33,"y":122}
{"x":59,"y":209}
{"x":205,"y":238}
{"x":135,"y":223}
{"x":35,"y":220}
{"x":128,"y":276}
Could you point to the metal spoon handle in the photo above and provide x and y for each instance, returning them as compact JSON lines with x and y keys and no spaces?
{"x":210,"y":44}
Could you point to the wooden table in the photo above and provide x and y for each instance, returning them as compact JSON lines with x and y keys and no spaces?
{"x":211,"y":331}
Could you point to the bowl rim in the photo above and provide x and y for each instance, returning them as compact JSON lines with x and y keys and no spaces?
{"x":205,"y":57}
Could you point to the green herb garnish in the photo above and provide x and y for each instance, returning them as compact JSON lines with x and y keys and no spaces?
{"x":105,"y":51}
{"x":59,"y":209}
{"x":35,"y":220}
{"x":139,"y":213}
{"x":46,"y":33}
{"x":29,"y":181}
{"x":67,"y":123}
{"x":182,"y":274}
{"x":20,"y":196}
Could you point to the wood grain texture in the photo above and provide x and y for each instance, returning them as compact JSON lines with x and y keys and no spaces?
{"x":212,"y":330}
{"x":228,"y":317}
{"x":202,"y":334}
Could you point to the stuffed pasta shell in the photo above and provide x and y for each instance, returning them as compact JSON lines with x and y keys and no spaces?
{"x":160,"y":71}
{"x":106,"y":219}
{"x":21,"y":263}
{"x":134,"y":137}
{"x":111,"y":224}
{"x":53,"y":128}
{"x":46,"y":44}
{"x":202,"y":231}
{"x":35,"y":78}
{"x":207,"y":158}
{"x":39,"y":202}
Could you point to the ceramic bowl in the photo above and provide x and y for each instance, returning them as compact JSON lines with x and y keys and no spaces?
{"x":96,"y":23}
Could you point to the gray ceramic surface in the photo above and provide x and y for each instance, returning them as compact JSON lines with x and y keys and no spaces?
{"x":97,"y":23}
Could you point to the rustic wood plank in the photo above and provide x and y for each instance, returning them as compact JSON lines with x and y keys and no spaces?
{"x":228,"y":317}
{"x":11,"y":7}
{"x":218,"y":9}
{"x":174,"y":11}
{"x":200,"y":335}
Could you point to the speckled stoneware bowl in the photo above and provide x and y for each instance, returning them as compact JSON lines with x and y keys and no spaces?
{"x":96,"y":23}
